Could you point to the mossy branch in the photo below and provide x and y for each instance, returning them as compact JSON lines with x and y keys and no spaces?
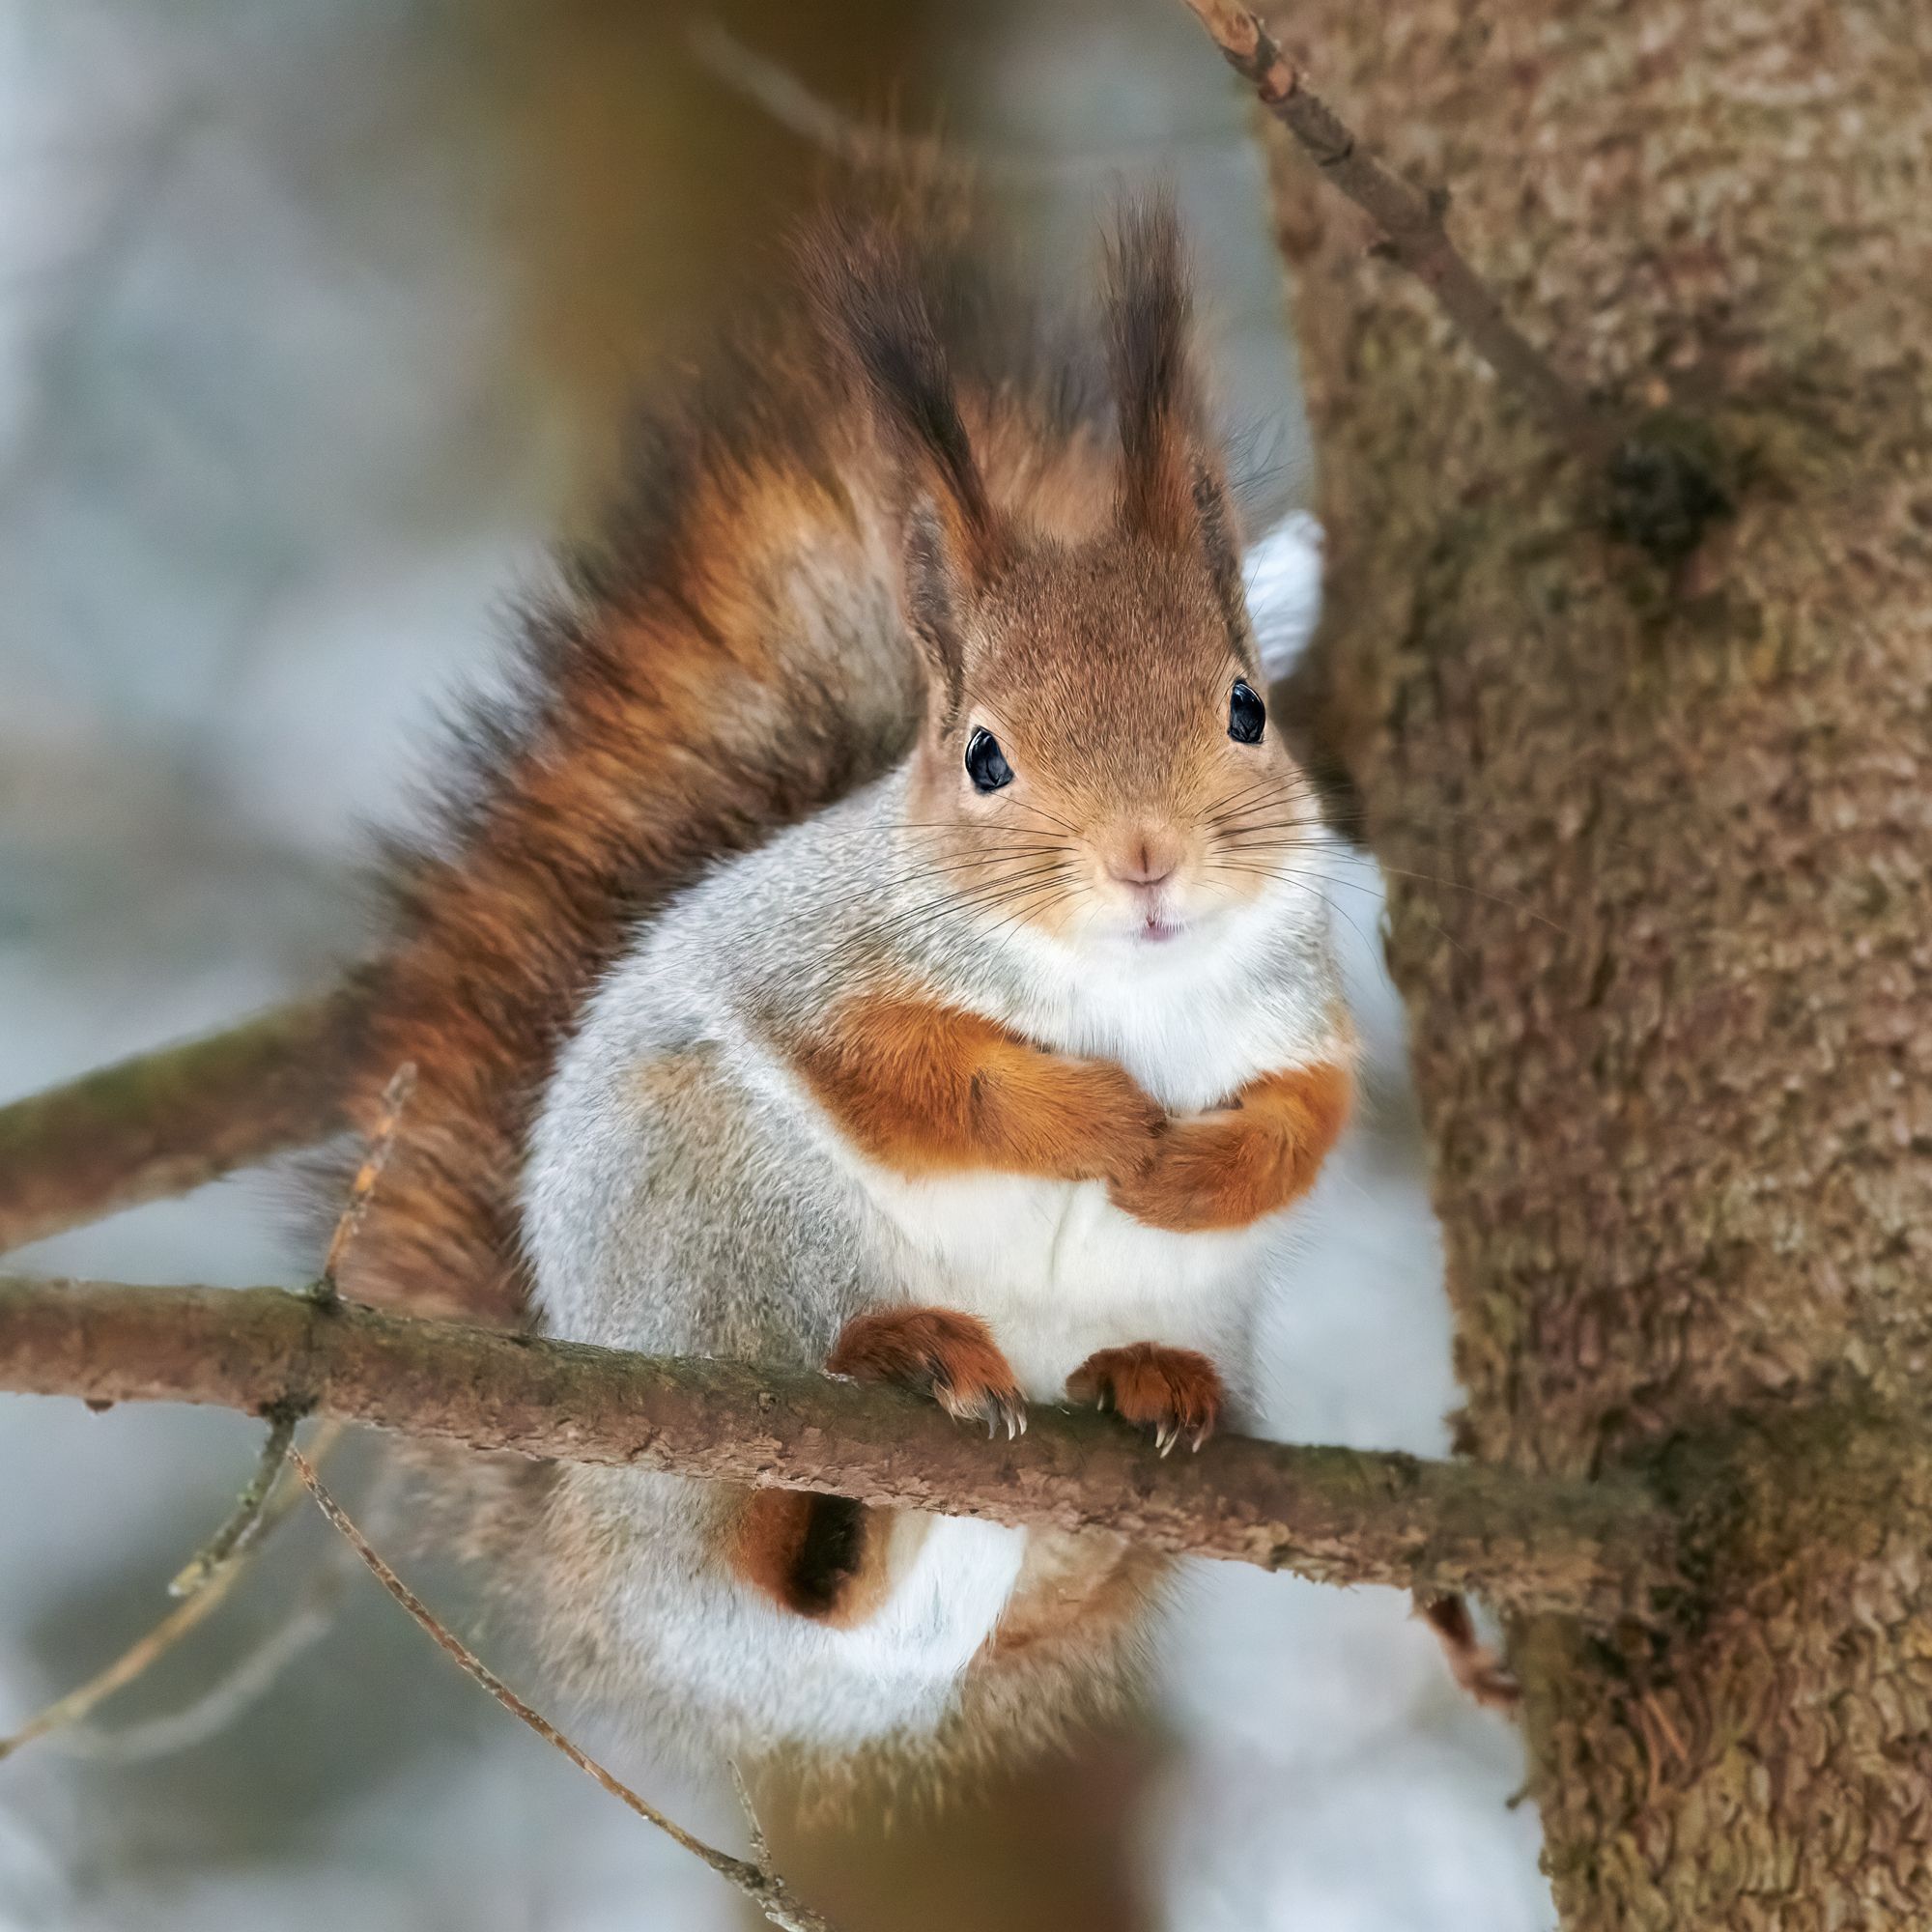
{"x":1600,"y":1550}
{"x":163,"y":1123}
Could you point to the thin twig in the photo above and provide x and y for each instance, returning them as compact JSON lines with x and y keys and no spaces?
{"x":78,"y":1702}
{"x":381,"y":1143}
{"x":761,"y":1850}
{"x":1411,"y":227}
{"x":244,"y":1682}
{"x":788,"y":101}
{"x":793,"y":105}
{"x":763,"y":1886}
{"x":239,"y":1530}
{"x":148,"y":1649}
{"x":245,"y":1522}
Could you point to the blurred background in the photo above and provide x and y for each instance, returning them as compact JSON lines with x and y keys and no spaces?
{"x":315,"y":325}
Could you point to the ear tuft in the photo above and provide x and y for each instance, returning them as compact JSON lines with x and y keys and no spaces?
{"x":874,"y":303}
{"x":1149,"y":312}
{"x":871,"y":290}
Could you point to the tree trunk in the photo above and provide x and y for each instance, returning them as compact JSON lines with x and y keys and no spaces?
{"x":1658,"y":845}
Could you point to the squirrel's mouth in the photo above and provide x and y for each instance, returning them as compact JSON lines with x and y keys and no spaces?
{"x":1157,"y":931}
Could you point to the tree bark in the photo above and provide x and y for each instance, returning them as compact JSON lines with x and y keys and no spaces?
{"x":1658,"y":849}
{"x":1335,"y":1515}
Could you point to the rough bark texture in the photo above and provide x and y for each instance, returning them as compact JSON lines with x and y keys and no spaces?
{"x":1671,"y":974}
{"x":163,"y":1123}
{"x":1336,"y":1515}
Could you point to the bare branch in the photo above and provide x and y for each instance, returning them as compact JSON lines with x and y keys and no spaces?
{"x":164,"y":1122}
{"x":793,"y":105}
{"x":758,"y":1882}
{"x":1597,"y":1549}
{"x":1412,"y":231}
{"x":362,"y":1190}
{"x":78,"y":1704}
{"x":245,"y":1522}
{"x":884,"y":148}
{"x":245,"y":1681}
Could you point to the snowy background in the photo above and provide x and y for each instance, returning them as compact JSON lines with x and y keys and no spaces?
{"x":315,"y":321}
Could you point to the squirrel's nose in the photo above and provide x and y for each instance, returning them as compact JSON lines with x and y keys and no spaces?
{"x":1143,"y":859}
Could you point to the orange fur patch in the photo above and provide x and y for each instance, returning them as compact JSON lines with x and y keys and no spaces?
{"x":950,"y":1356}
{"x":924,"y":1089}
{"x":823,"y":1557}
{"x":1230,"y":1167}
{"x":1174,"y":1392}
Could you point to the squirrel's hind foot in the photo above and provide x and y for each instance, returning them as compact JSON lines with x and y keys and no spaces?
{"x":1171,"y":1392}
{"x":950,"y":1357}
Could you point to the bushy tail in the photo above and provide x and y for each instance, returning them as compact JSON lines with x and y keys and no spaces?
{"x":728,"y":658}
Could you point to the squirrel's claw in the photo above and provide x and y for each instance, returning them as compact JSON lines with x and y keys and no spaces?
{"x":1000,"y":1408}
{"x":1173,"y":1393}
{"x":997,"y":1408}
{"x":950,"y":1356}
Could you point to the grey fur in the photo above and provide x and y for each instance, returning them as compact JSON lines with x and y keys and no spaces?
{"x":685,"y":1195}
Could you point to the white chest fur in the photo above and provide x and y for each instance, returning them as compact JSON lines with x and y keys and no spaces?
{"x":1054,"y":1268}
{"x":1057,"y":1272}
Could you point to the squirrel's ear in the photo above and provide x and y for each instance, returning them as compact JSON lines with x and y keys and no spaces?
{"x":1172,"y":489}
{"x":876,"y":306}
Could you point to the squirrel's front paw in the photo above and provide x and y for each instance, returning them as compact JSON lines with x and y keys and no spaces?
{"x":1213,"y":1169}
{"x":950,"y":1356}
{"x":1174,"y":1392}
{"x":1080,"y":1119}
{"x":1231,"y":1165}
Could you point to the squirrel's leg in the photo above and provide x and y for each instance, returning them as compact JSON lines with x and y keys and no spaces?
{"x":829,"y":1557}
{"x":1234,"y":1164}
{"x":1173,"y":1392}
{"x":924,"y":1089}
{"x":1476,"y":1668}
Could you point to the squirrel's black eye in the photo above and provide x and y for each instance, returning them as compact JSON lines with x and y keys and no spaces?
{"x":985,"y":763}
{"x":1248,"y":715}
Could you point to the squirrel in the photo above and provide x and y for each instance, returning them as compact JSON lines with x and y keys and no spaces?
{"x":882,"y":933}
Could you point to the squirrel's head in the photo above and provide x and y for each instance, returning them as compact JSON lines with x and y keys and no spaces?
{"x":1097,"y":758}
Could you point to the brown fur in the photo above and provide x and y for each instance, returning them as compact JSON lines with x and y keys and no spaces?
{"x":950,"y":1357}
{"x":667,"y":712}
{"x":674,"y":709}
{"x":923,"y":1088}
{"x":1230,"y":1167}
{"x":1174,"y":1392}
{"x":824,"y":1557}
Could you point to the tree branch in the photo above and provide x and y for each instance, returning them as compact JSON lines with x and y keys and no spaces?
{"x":1600,"y":1550}
{"x":163,"y":1123}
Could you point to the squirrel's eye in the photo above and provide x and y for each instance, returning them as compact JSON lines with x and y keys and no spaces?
{"x":985,"y":763}
{"x":1248,"y":715}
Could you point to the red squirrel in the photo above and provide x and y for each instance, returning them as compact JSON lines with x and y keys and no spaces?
{"x":884,"y":934}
